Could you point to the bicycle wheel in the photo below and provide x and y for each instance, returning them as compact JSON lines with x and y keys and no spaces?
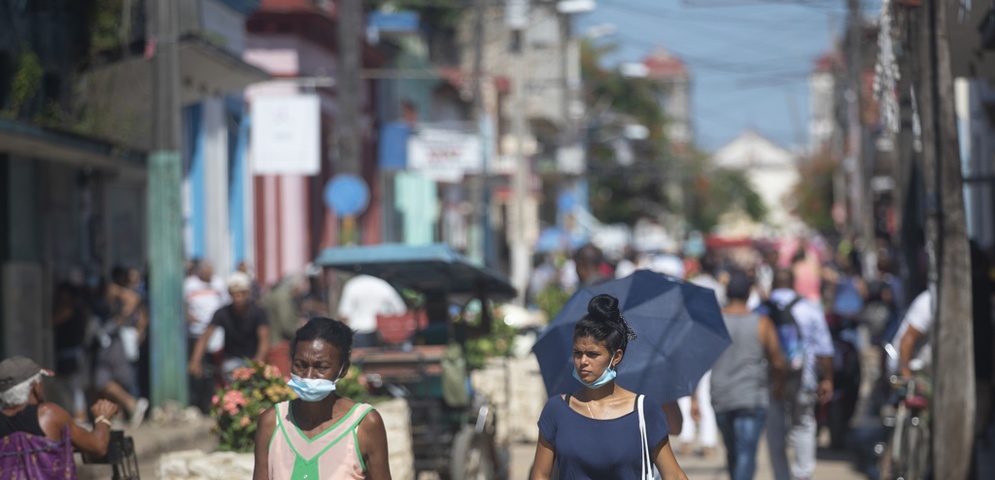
{"x":922,"y":456}
{"x":896,"y":455}
{"x":912,"y":454}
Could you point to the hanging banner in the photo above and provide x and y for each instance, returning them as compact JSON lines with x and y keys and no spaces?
{"x":444,"y":155}
{"x":286,"y":136}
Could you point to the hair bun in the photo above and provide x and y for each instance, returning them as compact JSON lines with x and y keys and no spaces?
{"x":604,"y":307}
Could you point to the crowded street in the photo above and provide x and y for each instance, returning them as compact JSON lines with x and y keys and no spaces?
{"x":497,"y":239}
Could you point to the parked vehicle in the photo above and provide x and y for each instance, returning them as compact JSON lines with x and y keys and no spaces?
{"x":452,"y":427}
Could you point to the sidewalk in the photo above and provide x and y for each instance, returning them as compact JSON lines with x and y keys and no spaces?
{"x":829,"y":465}
{"x":158,"y":435}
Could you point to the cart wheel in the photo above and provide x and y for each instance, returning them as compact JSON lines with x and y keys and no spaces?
{"x":470,"y":457}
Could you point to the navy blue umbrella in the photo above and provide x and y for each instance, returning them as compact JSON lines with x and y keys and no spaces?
{"x":679,"y":328}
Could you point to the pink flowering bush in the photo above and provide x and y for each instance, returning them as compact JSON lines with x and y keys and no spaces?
{"x":236,"y":408}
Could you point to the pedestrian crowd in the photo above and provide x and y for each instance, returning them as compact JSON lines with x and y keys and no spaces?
{"x":810,"y":322}
{"x":803,"y":317}
{"x":102,"y":327}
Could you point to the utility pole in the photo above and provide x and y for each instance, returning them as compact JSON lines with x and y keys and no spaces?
{"x":520,"y":255}
{"x":348,"y":88}
{"x":478,"y":245}
{"x":168,"y":319}
{"x":863,"y":199}
{"x":348,"y":95}
{"x":949,"y":253}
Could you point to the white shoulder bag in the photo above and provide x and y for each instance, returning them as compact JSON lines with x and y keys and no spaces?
{"x":647,"y":471}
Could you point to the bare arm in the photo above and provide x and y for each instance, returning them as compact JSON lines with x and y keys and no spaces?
{"x":373,"y":446}
{"x":542,"y":465}
{"x":54,"y":418}
{"x":264,"y":432}
{"x":906,"y":347}
{"x":825,"y":390}
{"x":666,"y":463}
{"x":674,"y":418}
{"x":198,"y":351}
{"x":861,"y":286}
{"x":775,"y":360}
{"x":262,"y":333}
{"x":63,"y":310}
{"x":142,"y":324}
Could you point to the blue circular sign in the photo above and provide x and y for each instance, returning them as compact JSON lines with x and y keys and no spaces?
{"x":565,"y":201}
{"x":347,"y":195}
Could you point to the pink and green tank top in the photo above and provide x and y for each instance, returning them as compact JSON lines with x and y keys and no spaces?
{"x":331,"y":455}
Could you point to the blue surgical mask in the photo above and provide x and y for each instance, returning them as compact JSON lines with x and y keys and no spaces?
{"x":312,"y":389}
{"x":603,"y":380}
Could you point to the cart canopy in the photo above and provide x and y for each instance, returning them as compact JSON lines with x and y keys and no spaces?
{"x":434,"y":268}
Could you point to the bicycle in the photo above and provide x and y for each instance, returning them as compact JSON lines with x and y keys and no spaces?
{"x":906,"y":455}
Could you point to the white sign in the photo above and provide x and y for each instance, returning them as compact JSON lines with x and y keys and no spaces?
{"x":286,"y":135}
{"x":444,"y":155}
{"x":516,"y":14}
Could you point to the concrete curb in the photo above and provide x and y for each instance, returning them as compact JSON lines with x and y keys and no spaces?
{"x":152,"y":440}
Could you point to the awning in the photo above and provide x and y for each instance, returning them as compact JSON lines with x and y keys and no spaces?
{"x":124,"y":85}
{"x":32,"y":141}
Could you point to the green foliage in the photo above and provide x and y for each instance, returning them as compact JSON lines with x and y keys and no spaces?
{"x":352,"y":385}
{"x":436,"y":14}
{"x":105,"y":32}
{"x":237,"y":408}
{"x":552,"y":299}
{"x":623,"y":194}
{"x":813,"y":197}
{"x":719,"y":190}
{"x":496,"y":344}
{"x":25,"y":84}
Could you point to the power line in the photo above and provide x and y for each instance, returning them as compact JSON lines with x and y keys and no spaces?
{"x":746,"y":68}
{"x":829,"y":6}
{"x":684,"y":15}
{"x":764,"y":37}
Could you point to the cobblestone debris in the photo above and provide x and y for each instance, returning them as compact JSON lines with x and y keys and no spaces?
{"x":514,"y":386}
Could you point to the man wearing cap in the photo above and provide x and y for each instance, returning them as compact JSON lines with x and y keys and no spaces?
{"x":246,"y":330}
{"x":27,"y":419}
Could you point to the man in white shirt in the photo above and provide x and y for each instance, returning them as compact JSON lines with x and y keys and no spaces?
{"x":912,"y":338}
{"x":203,"y":293}
{"x":363,"y":298}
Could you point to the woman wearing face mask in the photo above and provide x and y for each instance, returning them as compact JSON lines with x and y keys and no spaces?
{"x":320,"y":435}
{"x":594,"y":433}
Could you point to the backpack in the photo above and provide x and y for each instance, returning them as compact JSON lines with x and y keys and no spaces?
{"x":790,"y":338}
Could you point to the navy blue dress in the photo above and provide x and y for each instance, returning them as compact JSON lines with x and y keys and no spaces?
{"x":599,"y":449}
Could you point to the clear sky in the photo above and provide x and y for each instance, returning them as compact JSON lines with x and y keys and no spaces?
{"x":749,"y":59}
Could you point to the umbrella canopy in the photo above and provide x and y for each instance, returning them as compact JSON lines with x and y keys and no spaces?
{"x":679,"y":328}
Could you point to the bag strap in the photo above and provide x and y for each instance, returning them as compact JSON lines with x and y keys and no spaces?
{"x":647,"y":468}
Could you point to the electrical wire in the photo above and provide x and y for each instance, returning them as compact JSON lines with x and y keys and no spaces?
{"x":725,"y":67}
{"x":702,"y":16}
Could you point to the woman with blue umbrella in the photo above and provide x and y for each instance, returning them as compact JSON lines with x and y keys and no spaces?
{"x":603,"y":430}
